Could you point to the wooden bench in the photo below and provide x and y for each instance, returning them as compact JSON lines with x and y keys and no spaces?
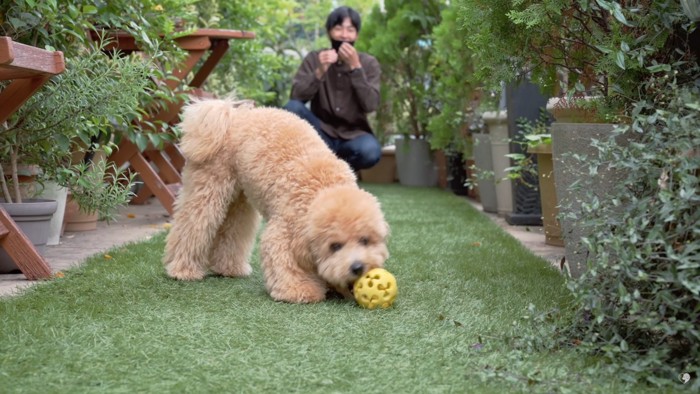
{"x":163,"y":181}
{"x":28,"y":68}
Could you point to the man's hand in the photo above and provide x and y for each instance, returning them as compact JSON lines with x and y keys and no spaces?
{"x":326,"y":58}
{"x":348,"y":54}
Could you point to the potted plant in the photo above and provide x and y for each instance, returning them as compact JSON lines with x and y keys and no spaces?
{"x":94,"y":91}
{"x":456,"y":99}
{"x":400,"y":40}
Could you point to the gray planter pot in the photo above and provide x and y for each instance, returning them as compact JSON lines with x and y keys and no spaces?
{"x":33,"y":217}
{"x":497,"y":125}
{"x":415,"y":164}
{"x":54,"y":192}
{"x":484,"y":162}
{"x":567,"y":139}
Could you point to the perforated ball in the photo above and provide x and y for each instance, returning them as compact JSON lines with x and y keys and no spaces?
{"x":375,"y":289}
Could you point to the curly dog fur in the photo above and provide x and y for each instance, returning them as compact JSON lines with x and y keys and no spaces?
{"x":322,"y":232}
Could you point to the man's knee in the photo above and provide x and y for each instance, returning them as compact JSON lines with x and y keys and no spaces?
{"x":367,"y":154}
{"x":371,"y":157}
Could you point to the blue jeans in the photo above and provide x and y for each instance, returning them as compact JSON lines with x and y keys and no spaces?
{"x":360,"y":152}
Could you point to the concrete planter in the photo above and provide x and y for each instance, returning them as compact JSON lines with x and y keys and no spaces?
{"x":415,"y":163}
{"x":33,"y":217}
{"x":567,"y":139}
{"x":53,"y":191}
{"x":497,"y":124}
{"x":484,"y":164}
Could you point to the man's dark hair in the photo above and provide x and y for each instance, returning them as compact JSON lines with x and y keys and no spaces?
{"x":338,"y":16}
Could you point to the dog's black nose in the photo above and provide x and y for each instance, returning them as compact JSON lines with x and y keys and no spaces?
{"x":357,"y":268}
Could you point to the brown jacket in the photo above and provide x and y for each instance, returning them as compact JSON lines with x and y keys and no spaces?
{"x":340,"y":99}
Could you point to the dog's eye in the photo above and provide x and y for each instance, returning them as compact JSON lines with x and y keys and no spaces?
{"x":364,"y":241}
{"x":336,"y":246}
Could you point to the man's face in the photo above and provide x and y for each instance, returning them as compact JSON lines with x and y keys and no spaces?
{"x":344,"y":32}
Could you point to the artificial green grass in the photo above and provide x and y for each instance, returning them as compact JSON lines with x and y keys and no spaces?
{"x":120,"y":325}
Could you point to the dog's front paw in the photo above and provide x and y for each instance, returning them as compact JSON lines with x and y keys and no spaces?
{"x":184,"y":272}
{"x":301,"y":294}
{"x":233,"y":272}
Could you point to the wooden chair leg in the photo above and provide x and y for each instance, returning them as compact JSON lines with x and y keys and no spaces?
{"x":176,"y":157}
{"x":142,"y":196}
{"x":21,"y":250}
{"x":167,"y":171}
{"x":154,"y":182}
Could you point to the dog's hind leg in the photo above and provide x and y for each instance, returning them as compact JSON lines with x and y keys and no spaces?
{"x":285,"y":279}
{"x":200,"y":209}
{"x":234,"y":241}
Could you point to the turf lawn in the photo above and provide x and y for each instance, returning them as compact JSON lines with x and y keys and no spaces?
{"x":120,"y":325}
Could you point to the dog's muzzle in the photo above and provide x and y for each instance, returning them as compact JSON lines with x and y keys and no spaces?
{"x":357,"y":268}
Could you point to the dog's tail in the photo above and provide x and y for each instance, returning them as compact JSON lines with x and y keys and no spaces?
{"x":205,"y":124}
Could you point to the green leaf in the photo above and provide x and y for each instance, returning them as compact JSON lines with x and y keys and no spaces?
{"x":155,"y":139}
{"x":141,"y":141}
{"x":17,"y":23}
{"x":603,"y":49}
{"x":659,"y":68}
{"x":604,"y":4}
{"x":620,"y":59}
{"x":89,"y":9}
{"x":617,"y":13}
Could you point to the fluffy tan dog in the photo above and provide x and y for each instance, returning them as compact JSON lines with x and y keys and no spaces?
{"x":321,"y":230}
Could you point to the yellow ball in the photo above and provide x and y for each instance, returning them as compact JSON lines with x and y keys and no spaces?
{"x":376,"y":288}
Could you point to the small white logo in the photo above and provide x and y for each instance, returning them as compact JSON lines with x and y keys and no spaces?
{"x":684,"y":377}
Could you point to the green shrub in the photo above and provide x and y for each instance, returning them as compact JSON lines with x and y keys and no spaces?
{"x":70,"y":114}
{"x":400,"y":39}
{"x":638,"y":304}
{"x":640,"y":300}
{"x":455,"y":87}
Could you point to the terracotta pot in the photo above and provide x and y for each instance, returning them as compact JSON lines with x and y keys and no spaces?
{"x":75,"y":220}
